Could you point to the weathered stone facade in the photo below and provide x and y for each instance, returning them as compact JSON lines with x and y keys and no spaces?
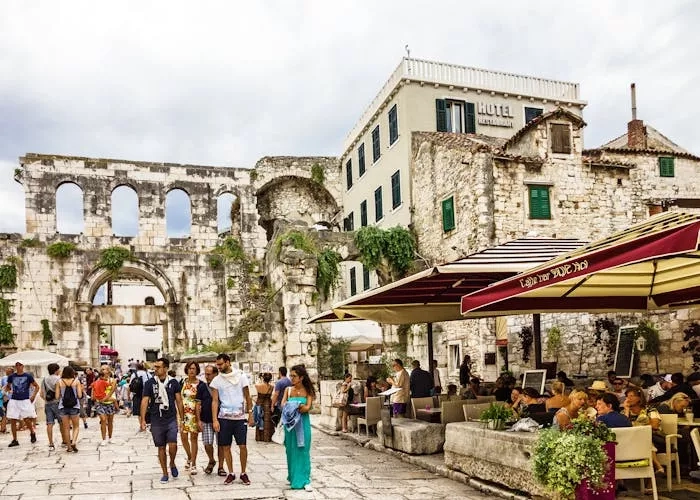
{"x":592,"y":193}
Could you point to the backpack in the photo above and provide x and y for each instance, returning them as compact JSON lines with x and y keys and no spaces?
{"x":136,"y":385}
{"x":68,"y":399}
{"x":49,"y":395}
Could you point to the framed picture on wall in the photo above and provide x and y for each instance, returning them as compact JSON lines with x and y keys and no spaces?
{"x":256,"y":367}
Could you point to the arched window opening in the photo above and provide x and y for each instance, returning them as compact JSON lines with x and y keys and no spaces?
{"x":150,"y":301}
{"x":125,"y":211}
{"x":70,"y":218}
{"x":224,"y":203}
{"x":178,"y":214}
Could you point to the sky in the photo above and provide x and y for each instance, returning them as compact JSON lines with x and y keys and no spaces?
{"x":225,"y":83}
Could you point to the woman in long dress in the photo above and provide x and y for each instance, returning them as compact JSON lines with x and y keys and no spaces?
{"x":190,"y":426}
{"x":301,"y":393}
{"x":264,"y":402}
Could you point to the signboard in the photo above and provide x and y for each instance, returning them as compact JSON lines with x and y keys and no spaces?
{"x":535,"y":379}
{"x":624,"y":354}
{"x":375,"y":360}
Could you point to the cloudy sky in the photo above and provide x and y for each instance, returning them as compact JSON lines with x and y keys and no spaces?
{"x":224,"y":83}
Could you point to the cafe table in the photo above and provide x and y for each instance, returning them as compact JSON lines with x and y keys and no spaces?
{"x":686,"y":423}
{"x":432,"y":415}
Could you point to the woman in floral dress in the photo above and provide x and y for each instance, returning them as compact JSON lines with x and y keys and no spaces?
{"x":264,"y":428}
{"x":190,"y":427}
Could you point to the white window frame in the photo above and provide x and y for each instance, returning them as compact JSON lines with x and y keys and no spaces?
{"x":452,"y":348}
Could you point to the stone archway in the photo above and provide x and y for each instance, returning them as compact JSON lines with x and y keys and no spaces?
{"x":91,"y":316}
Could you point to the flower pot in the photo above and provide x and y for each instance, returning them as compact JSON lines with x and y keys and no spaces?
{"x":496,"y":425}
{"x":584,"y":492}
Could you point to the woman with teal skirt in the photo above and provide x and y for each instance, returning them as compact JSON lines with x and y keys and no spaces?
{"x":296,"y":403}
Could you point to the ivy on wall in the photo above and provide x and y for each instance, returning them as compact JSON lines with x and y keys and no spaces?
{"x":526,"y":339}
{"x":113,"y":258}
{"x":8,"y":276}
{"x":6,"y":337}
{"x":317,"y":174}
{"x":60,"y":250}
{"x":389,"y":252}
{"x":691,"y":337}
{"x":328,"y":271}
{"x":46,"y":333}
{"x":609,"y":343}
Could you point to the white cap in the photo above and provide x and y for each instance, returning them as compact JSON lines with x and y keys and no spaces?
{"x":19,"y":362}
{"x":667,"y":378}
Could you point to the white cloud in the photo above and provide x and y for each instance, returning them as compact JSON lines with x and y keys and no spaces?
{"x":225,"y":83}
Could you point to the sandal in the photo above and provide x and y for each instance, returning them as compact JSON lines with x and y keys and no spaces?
{"x":210,"y":467}
{"x":187,"y":465}
{"x":221,"y":472}
{"x":193,"y":468}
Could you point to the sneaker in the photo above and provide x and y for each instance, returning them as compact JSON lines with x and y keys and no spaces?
{"x":244,"y":479}
{"x":103,"y":442}
{"x":230,"y":478}
{"x":163,"y":479}
{"x":174,"y":471}
{"x":52,"y":447}
{"x":307,"y":487}
{"x":110,"y":441}
{"x":13,"y":443}
{"x":32,"y":437}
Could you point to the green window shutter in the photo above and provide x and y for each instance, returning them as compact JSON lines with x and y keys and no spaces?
{"x":539,"y":202}
{"x":376,"y":146}
{"x":396,"y":189}
{"x":361,"y":159}
{"x":365,"y":278}
{"x":353,"y":281}
{"x":348,"y":174}
{"x":666,"y":166}
{"x":469,"y":118}
{"x":448,"y":214}
{"x":393,"y":125}
{"x":441,"y":112}
{"x":378,"y":206}
{"x":363,"y":213}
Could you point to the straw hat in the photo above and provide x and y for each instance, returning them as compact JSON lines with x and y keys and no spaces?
{"x":599,"y":385}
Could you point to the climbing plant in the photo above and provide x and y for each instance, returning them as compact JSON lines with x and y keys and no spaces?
{"x":113,"y":258}
{"x":8,"y":276}
{"x":296,"y":238}
{"x":650,"y":333}
{"x":553,"y":342}
{"x":30,"y":243}
{"x":691,"y":337}
{"x":6,"y":337}
{"x":46,"y":333}
{"x":526,"y":339}
{"x":328,"y":271}
{"x":609,"y":343}
{"x":230,"y":250}
{"x":60,"y":250}
{"x":390,"y":252}
{"x":317,"y":174}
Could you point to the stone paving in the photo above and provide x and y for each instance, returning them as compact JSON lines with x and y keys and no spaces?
{"x":128,"y":469}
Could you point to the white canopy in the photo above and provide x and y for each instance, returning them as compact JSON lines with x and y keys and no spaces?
{"x":34,"y":358}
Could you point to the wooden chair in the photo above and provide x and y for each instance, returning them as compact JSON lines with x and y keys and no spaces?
{"x":486,"y":399}
{"x":472,"y":412}
{"x":633,"y":455}
{"x":420,"y":403}
{"x":669,"y":426}
{"x":372,"y":414}
{"x":452,"y":412}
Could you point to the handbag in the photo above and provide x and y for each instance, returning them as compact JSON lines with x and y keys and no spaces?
{"x":340,"y":399}
{"x":278,"y":436}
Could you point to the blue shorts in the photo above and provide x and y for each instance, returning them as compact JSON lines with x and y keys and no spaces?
{"x":70,"y":412}
{"x":52,"y":413}
{"x":164,"y":432}
{"x":230,"y":430}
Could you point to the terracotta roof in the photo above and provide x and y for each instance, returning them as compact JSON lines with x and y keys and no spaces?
{"x":598,"y":162}
{"x":518,"y":158}
{"x":544,"y":117}
{"x":655,"y":140}
{"x":635,"y":151}
{"x":476,"y":142}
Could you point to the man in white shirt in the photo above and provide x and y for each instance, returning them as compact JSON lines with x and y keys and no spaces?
{"x":232,"y":409}
{"x":659,"y":388}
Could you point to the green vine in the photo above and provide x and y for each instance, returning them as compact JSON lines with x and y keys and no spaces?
{"x":328,"y":271}
{"x":691,"y":337}
{"x":253,"y":175}
{"x":6,"y":337}
{"x":60,"y":250}
{"x":526,"y":339}
{"x":30,"y":243}
{"x":390,"y":252}
{"x":8,"y":276}
{"x":317,"y":174}
{"x":46,"y":333}
{"x":553,"y":342}
{"x":650,"y":334}
{"x":610,"y":341}
{"x":113,"y":258}
{"x":297,"y":239}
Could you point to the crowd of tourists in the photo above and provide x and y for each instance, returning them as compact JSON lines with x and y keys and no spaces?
{"x":215,"y":402}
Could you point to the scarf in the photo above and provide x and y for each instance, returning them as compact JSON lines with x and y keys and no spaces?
{"x":232,"y":378}
{"x":163,"y":394}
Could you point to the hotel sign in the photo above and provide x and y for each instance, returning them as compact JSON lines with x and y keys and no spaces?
{"x":495,"y":115}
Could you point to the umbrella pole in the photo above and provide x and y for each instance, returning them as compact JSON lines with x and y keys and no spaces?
{"x":430,"y":348}
{"x":537,"y":334}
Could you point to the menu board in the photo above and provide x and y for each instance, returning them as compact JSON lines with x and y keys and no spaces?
{"x":535,"y":379}
{"x":624,"y":354}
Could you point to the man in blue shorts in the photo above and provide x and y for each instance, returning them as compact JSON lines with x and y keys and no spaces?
{"x":162,"y":400}
{"x":232,"y":412}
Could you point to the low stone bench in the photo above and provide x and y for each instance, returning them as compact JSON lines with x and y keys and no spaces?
{"x":414,"y":436}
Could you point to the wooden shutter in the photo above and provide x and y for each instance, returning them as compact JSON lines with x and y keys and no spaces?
{"x":361,"y":159}
{"x":469,"y":118}
{"x":448,"y":214}
{"x":348,"y":174}
{"x":378,"y":208}
{"x":365,"y":278}
{"x":353,"y":281}
{"x":441,"y":112}
{"x":395,"y":189}
{"x":363,"y":213}
{"x":376,"y":147}
{"x":539,"y":202}
{"x":666,"y":166}
{"x":561,"y":138}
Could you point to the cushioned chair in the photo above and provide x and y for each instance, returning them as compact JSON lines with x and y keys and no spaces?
{"x":485,"y":399}
{"x":420,"y":403}
{"x":452,"y":412}
{"x":669,"y":426}
{"x":372,"y":414}
{"x":472,"y":412}
{"x":633,"y":455}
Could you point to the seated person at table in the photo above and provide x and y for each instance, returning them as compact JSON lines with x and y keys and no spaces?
{"x":516,"y":400}
{"x":451,"y":390}
{"x":634,"y":408}
{"x":559,"y":399}
{"x":473,"y":390}
{"x":502,"y":391}
{"x":561,"y":377}
{"x":531,"y":402}
{"x":371,"y":388}
{"x":608,"y":408}
{"x":677,"y":404}
{"x":564,"y":415}
{"x":420,"y":381}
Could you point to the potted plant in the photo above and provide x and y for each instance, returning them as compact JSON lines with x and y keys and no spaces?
{"x":577,"y":461}
{"x":496,"y":416}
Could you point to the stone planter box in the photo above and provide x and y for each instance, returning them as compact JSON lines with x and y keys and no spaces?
{"x":496,"y":456}
{"x":413,"y":436}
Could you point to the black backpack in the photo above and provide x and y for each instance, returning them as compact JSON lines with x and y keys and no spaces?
{"x":136,"y":385}
{"x":50,"y":395}
{"x":68,"y":399}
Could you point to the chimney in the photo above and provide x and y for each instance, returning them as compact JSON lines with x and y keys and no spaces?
{"x":636,"y":131}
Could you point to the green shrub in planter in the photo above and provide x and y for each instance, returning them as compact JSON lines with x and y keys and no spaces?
{"x":496,"y":416}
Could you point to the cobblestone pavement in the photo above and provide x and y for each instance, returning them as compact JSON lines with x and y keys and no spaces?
{"x":129,"y":469}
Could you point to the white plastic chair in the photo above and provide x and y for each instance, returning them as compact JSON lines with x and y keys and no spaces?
{"x":669,"y":426}
{"x":634,"y":445}
{"x":372,"y":416}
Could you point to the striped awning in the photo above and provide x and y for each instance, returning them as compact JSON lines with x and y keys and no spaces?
{"x":434,"y":294}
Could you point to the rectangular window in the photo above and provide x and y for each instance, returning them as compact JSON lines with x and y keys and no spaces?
{"x":396,"y":189}
{"x":539,"y":202}
{"x":348,"y":174}
{"x":666,"y":166}
{"x":378,"y":208}
{"x":455,"y":358}
{"x":393,"y":125}
{"x":455,"y":116}
{"x":561,"y":138}
{"x":361,"y":159}
{"x":376,"y":148}
{"x":532,"y":113}
{"x":365,"y":278}
{"x":353,"y":281}
{"x":448,"y":214}
{"x":349,"y":222}
{"x":363,"y":213}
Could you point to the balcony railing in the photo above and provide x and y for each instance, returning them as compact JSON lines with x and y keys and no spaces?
{"x":473,"y":78}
